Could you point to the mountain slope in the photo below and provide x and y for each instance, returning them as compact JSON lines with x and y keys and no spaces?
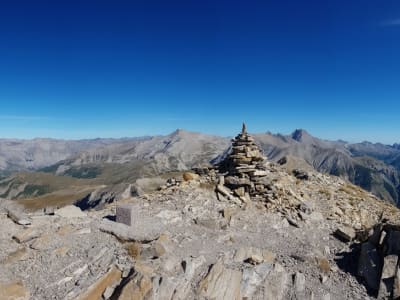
{"x":181,"y":150}
{"x":365,"y":164}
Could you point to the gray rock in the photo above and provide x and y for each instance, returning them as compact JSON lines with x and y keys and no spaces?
{"x":299,"y":282}
{"x":108,"y":292}
{"x":126,"y":214}
{"x":253,"y":278}
{"x":275,"y":285}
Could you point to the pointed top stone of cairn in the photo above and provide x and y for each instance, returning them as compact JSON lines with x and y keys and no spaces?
{"x":244,"y":129}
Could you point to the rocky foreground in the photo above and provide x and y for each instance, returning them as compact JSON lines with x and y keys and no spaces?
{"x":185,"y":242}
{"x":247,"y":230}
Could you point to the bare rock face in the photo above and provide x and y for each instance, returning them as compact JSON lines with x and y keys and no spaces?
{"x":221,"y":283}
{"x":379,"y":261}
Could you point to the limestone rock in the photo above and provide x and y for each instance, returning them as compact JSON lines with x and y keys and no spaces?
{"x":275,"y":285}
{"x":96,"y":290}
{"x":70,"y":211}
{"x":221,"y":283}
{"x":253,"y":278}
{"x":299,"y":282}
{"x":137,"y":288}
{"x":13,"y":291}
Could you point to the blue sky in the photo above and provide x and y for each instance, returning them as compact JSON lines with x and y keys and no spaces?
{"x":81,"y":69}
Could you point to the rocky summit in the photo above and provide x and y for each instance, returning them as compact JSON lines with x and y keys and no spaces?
{"x":243,"y":229}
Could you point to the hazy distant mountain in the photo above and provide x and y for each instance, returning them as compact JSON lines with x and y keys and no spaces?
{"x":22,"y":155}
{"x":181,"y":150}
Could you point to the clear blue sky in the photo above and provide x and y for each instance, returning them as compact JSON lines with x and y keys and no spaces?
{"x":77,"y":69}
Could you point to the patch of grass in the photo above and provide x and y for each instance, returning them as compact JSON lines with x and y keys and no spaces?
{"x":53,"y":200}
{"x":207,"y":186}
{"x":325,"y":192}
{"x":133,"y":249}
{"x":33,"y":189}
{"x":324,"y":265}
{"x":86,"y":172}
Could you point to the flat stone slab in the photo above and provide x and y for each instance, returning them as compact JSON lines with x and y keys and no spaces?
{"x":345,"y":233}
{"x":26,"y":235}
{"x":149,"y":229}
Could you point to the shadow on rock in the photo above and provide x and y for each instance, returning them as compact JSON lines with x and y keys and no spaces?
{"x":349,"y":262}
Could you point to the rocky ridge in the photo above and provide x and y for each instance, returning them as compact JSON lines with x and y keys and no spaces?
{"x":303,"y":238}
{"x":375,"y":167}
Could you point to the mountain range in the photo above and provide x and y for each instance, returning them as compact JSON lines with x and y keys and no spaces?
{"x":101,"y":162}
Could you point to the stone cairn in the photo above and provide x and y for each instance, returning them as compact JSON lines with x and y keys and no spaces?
{"x":243,"y":170}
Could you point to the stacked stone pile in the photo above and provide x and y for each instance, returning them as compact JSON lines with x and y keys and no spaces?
{"x":245,"y":170}
{"x":245,"y":167}
{"x":246,"y":159}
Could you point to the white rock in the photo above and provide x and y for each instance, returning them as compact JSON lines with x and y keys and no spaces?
{"x":70,"y":211}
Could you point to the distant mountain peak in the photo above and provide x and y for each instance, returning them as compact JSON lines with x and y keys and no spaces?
{"x":300,"y":134}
